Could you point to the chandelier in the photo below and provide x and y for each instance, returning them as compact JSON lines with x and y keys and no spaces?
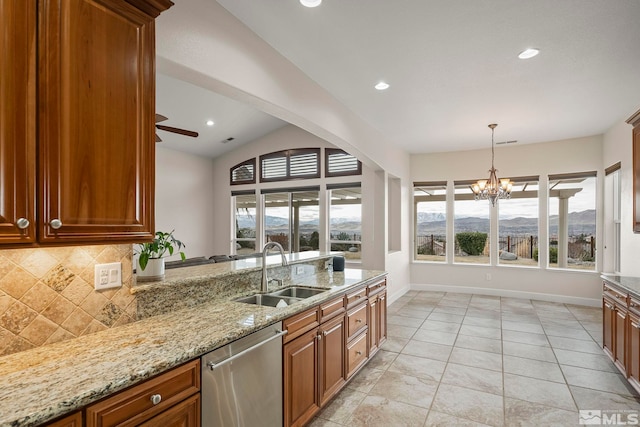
{"x":492,"y":188}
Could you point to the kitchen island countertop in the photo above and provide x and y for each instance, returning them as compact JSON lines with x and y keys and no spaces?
{"x":44,"y":383}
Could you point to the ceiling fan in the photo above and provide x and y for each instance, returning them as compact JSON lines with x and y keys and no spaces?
{"x":161,"y":118}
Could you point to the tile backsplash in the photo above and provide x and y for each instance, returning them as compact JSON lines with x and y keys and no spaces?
{"x":47,"y":295}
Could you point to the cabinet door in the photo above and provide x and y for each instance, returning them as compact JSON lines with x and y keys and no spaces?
{"x":96,"y":146}
{"x":74,"y":420}
{"x":607,"y":326}
{"x":17,"y":120}
{"x":332,"y":358}
{"x":633,"y":349}
{"x":636,"y":176}
{"x":374,"y":322}
{"x":382,"y":315}
{"x":620,"y":338}
{"x":183,"y":414}
{"x":301,"y":379}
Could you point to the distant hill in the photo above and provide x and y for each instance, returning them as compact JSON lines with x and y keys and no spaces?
{"x":583,"y":222}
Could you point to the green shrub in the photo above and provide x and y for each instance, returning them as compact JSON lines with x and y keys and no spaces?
{"x":553,"y":255}
{"x":472,"y":242}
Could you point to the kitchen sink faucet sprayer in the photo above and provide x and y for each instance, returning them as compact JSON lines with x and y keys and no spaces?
{"x":265,"y":251}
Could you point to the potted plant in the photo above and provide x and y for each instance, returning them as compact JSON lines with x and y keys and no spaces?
{"x":150,"y":255}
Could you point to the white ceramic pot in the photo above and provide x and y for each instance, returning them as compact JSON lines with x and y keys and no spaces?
{"x":153,"y":272}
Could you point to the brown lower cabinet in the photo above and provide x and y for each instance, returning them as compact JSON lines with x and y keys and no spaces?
{"x":73,"y":420}
{"x":326,"y":345}
{"x":170,"y":399}
{"x":621,"y":331}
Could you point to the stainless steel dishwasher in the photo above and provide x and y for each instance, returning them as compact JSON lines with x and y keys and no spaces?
{"x":242,"y":381}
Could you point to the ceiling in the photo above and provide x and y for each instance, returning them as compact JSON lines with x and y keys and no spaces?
{"x":452,"y":66}
{"x":189,"y":107}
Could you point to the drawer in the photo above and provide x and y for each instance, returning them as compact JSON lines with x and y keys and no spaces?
{"x":331,"y":309}
{"x":376,"y":287}
{"x":134,"y":405}
{"x":356,"y":297}
{"x":614,"y":294}
{"x":356,"y":320}
{"x":300,"y":324}
{"x":356,"y":354}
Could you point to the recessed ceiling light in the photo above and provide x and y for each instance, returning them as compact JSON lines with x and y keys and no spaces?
{"x":528,"y":53}
{"x":382,"y":86}
{"x":210,"y":123}
{"x":310,"y":3}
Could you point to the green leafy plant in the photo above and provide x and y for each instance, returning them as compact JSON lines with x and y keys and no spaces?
{"x":162,"y":243}
{"x":472,"y":242}
{"x":553,"y":255}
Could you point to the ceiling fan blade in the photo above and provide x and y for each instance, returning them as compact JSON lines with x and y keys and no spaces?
{"x":158,"y":138}
{"x":178,"y":130}
{"x":160,"y":118}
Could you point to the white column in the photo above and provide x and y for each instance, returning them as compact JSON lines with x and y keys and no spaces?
{"x":563,"y":231}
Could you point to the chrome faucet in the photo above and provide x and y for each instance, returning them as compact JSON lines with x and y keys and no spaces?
{"x":264,"y":286}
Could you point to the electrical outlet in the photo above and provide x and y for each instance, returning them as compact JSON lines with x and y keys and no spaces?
{"x":488,"y":276}
{"x":107,"y":276}
{"x":299,"y":269}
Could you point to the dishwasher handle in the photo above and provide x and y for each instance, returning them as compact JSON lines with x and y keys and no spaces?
{"x":278,"y":334}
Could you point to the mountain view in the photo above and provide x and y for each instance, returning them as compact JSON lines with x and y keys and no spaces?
{"x":583,"y":222}
{"x":278,"y":224}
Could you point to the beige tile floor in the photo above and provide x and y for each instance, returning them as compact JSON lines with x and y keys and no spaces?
{"x":475,"y":360}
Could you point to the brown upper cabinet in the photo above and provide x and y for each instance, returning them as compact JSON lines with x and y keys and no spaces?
{"x":77,"y":112}
{"x":635,"y":122}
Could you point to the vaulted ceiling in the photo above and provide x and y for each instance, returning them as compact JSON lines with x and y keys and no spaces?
{"x":453,"y":66}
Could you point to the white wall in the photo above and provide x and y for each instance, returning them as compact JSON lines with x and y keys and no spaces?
{"x":574,"y":155}
{"x":200,"y":42}
{"x":617,"y":147}
{"x":185,"y":200}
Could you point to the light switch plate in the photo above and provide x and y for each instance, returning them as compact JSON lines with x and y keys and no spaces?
{"x":107,"y":276}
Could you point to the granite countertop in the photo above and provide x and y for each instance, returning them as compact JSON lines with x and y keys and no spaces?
{"x":628,"y":283}
{"x":44,"y":383}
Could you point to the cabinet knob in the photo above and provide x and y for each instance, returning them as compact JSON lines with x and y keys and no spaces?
{"x":156,"y":398}
{"x":319,"y":337}
{"x":22,"y":223}
{"x":55,"y":223}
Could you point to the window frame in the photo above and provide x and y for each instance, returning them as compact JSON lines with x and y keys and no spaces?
{"x":514,"y":196}
{"x":333,"y":151}
{"x":287,"y":155}
{"x":564,"y":266}
{"x":252,"y":180}
{"x":429,"y":184}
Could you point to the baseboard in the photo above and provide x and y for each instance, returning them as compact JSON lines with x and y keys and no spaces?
{"x":564,"y":299}
{"x":391,"y":297}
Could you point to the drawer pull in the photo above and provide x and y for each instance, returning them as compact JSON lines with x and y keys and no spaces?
{"x":358,"y":320}
{"x":609,"y":306}
{"x":358,"y":296}
{"x":156,"y":398}
{"x":635,"y":325}
{"x":633,"y":304}
{"x":358,"y":353}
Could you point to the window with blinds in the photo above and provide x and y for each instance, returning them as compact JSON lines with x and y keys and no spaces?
{"x":290,"y":164}
{"x":244,"y":173}
{"x":340,"y":163}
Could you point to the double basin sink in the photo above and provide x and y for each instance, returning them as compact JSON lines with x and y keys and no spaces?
{"x":283,"y":297}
